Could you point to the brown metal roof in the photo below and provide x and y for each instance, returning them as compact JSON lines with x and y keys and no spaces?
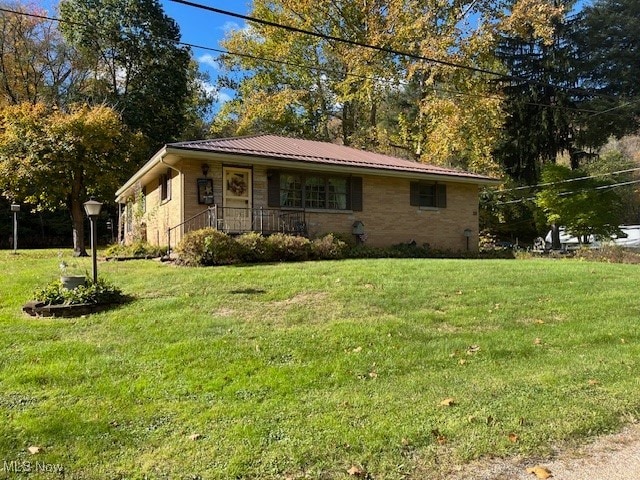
{"x":273,"y":146}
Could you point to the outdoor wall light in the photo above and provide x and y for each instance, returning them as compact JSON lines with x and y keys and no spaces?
{"x":92,"y":208}
{"x":467,"y":234}
{"x":205,"y":169}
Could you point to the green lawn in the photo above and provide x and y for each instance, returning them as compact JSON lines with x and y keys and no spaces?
{"x":306,"y":370}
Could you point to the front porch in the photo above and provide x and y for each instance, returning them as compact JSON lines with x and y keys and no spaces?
{"x":236,"y":221}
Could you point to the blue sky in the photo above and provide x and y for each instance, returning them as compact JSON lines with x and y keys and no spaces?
{"x":204,"y":28}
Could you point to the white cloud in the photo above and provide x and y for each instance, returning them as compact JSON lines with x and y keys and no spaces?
{"x":208,"y":87}
{"x":209,"y":60}
{"x":223,"y":98}
{"x":230,"y":26}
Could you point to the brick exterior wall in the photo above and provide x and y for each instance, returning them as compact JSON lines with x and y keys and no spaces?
{"x":387,"y":215}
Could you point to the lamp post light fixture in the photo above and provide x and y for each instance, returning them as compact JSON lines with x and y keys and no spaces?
{"x":467,"y":234}
{"x":15,"y":208}
{"x":92,"y":208}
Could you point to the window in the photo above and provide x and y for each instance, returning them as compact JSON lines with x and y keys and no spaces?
{"x":165,"y":186}
{"x":428,"y":195}
{"x":337,"y":193}
{"x":299,"y":190}
{"x":315,"y":192}
{"x":290,"y":190}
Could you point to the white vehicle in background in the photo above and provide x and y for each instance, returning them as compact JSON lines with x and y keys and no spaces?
{"x":630,"y":238}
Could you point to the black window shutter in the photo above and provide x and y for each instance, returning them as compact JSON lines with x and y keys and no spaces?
{"x":415,"y":194}
{"x":273,"y":188}
{"x":356,"y":194}
{"x":441,"y":195}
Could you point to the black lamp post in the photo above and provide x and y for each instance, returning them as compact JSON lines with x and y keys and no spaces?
{"x":15,"y":208}
{"x":92,"y":208}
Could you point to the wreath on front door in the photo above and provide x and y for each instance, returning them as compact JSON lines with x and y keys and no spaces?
{"x":237,"y":185}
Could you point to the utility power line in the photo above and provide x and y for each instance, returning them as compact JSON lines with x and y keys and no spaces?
{"x":569,"y":180}
{"x":317,"y":68}
{"x":564,"y":194}
{"x":386,"y":49}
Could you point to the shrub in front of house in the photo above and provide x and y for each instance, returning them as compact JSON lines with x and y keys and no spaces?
{"x":252,"y":248}
{"x":207,"y":247}
{"x":287,"y":248}
{"x":135,"y":250}
{"x":212,"y":247}
{"x":328,"y":248}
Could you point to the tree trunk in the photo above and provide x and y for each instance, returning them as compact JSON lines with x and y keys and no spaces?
{"x":77,"y":221}
{"x":77,"y":216}
{"x":555,"y":237}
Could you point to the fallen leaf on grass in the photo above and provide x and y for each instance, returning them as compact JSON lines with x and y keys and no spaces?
{"x":593,"y":382}
{"x":537,"y":341}
{"x":405,"y":442}
{"x":373,"y":375}
{"x":441,"y":439}
{"x":355,"y":471}
{"x":462,"y":361}
{"x":540,"y":472}
{"x":447,"y":402}
{"x":357,"y":350}
{"x":33,"y":449}
{"x":195,"y":436}
{"x":513,"y":438}
{"x":473,"y":349}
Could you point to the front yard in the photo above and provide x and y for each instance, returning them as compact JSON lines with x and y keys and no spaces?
{"x":388,"y":369}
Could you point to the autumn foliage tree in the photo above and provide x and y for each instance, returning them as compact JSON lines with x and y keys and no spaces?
{"x":36,"y":65}
{"x":52,"y":158}
{"x":318,"y":87}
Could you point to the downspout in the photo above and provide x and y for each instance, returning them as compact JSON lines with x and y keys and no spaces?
{"x":181,"y":200}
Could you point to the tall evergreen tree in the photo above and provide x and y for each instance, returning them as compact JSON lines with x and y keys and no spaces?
{"x":539,"y":101}
{"x":607,"y":40}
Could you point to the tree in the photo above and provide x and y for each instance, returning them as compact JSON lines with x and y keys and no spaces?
{"x":136,"y":62}
{"x":607,"y":40}
{"x":320,"y":88}
{"x":36,"y":65}
{"x":52,"y":159}
{"x":585,"y":206}
{"x":539,"y":102}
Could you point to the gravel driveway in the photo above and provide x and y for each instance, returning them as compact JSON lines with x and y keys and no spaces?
{"x":612,"y":457}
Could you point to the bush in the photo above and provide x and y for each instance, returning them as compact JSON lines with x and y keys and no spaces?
{"x":328,"y":247}
{"x":348,"y":238}
{"x":252,"y":248}
{"x":207,"y":247}
{"x":287,"y":248}
{"x":608,"y":254}
{"x":136,"y":249}
{"x":99,"y":293}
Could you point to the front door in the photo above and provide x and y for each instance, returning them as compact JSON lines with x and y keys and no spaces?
{"x":237,"y":199}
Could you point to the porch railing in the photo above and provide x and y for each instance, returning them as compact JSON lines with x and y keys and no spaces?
{"x":236,"y":221}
